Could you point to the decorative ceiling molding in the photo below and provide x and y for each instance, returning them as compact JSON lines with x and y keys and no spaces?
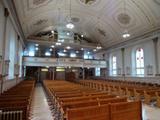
{"x":140,"y":17}
{"x":157,"y":1}
{"x":37,"y":3}
{"x":124,"y":18}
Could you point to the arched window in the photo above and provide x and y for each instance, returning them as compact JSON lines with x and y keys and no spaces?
{"x":114,"y":65}
{"x":140,"y":61}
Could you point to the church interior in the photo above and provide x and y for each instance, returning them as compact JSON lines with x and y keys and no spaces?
{"x":79,"y":59}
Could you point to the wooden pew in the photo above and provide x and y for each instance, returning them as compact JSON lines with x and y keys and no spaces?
{"x":126,"y":111}
{"x":89,"y":113}
{"x":17,"y":100}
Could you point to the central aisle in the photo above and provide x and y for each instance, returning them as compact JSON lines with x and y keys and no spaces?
{"x":40,"y":108}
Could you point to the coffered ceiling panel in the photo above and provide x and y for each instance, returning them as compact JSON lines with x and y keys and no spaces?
{"x":100,"y":20}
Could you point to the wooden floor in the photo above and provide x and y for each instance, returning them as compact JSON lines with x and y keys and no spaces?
{"x":41,"y":111}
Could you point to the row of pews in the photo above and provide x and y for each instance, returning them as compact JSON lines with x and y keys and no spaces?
{"x":15,"y":102}
{"x":76,"y":102}
{"x":132,"y":90}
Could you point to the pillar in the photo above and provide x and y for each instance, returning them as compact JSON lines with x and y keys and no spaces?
{"x":6,"y":14}
{"x":83,"y":73}
{"x":123,"y":68}
{"x":155,"y":43}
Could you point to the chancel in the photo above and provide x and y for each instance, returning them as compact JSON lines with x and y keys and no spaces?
{"x":79,"y":59}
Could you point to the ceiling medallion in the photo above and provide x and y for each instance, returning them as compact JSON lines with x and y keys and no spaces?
{"x":38,"y":2}
{"x":88,"y":2}
{"x":75,"y":19}
{"x":157,"y":1}
{"x":39,"y":22}
{"x":124,"y":18}
{"x":102,"y":32}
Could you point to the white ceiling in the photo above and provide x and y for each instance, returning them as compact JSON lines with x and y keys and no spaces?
{"x":142,"y":16}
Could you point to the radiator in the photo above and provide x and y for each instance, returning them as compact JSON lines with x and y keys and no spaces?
{"x":11,"y":115}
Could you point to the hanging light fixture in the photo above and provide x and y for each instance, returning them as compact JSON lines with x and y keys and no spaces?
{"x":126,"y":33}
{"x":70,"y":25}
{"x":98,"y":42}
{"x":99,"y":47}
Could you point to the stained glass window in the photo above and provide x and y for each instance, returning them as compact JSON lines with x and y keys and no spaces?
{"x":114,"y":65}
{"x":140,"y":61}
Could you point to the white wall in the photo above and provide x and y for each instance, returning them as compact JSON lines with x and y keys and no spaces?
{"x":1,"y":26}
{"x":129,"y":60}
{"x":13,"y":48}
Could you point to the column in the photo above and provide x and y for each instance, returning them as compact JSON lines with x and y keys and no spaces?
{"x":53,"y":73}
{"x":83,"y":73}
{"x":18,"y":57}
{"x":155,"y":43}
{"x":6,"y":14}
{"x":123,"y":68}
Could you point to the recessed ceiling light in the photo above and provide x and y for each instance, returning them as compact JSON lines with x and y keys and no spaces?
{"x":52,"y":46}
{"x":47,"y":54}
{"x":68,"y":33}
{"x":58,"y":43}
{"x":68,"y":47}
{"x":36,"y":45}
{"x":50,"y":49}
{"x":37,"y":48}
{"x":94,"y":50}
{"x":64,"y":50}
{"x":62,"y":40}
{"x":52,"y":31}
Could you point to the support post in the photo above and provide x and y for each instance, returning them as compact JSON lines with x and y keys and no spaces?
{"x":123,"y":68}
{"x":155,"y":42}
{"x":6,"y":14}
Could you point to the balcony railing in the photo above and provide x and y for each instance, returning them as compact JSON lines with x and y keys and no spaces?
{"x":63,"y":62}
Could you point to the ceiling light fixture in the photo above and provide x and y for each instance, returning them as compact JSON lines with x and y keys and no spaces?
{"x":68,"y":47}
{"x":82,"y":48}
{"x":58,"y":43}
{"x":64,"y":50}
{"x":52,"y":46}
{"x":70,"y":25}
{"x":126,"y":33}
{"x":50,"y":49}
{"x":94,"y":50}
{"x":77,"y":51}
{"x":37,"y":48}
{"x":98,"y":41}
{"x":52,"y":32}
{"x":36,"y":45}
{"x":82,"y":35}
{"x":68,"y":33}
{"x":99,"y":47}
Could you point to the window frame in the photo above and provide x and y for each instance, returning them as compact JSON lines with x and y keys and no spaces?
{"x":139,"y":62}
{"x":114,"y":67}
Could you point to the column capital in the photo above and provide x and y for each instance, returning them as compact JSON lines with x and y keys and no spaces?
{"x":6,"y":12}
{"x":155,"y":40}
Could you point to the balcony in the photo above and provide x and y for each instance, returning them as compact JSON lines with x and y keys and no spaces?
{"x":63,"y":62}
